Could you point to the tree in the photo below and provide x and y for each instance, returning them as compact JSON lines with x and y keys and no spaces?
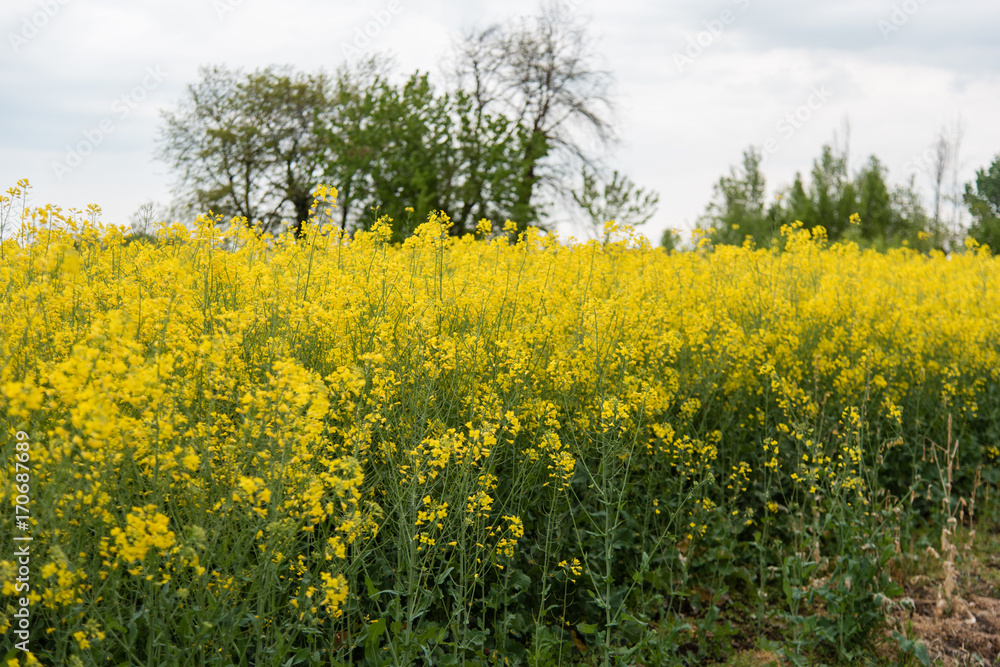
{"x":670,"y":240}
{"x":503,"y":144}
{"x":984,"y":204}
{"x":955,"y":136}
{"x":889,"y":216}
{"x":245,"y":145}
{"x":831,"y":193}
{"x":490,"y":157}
{"x":405,"y":151}
{"x":390,"y":147}
{"x":791,"y":204}
{"x":617,"y":199}
{"x":257,"y":145}
{"x":918,"y":230}
{"x":878,"y":219}
{"x":353,"y":133}
{"x":737,"y":208}
{"x":540,"y":73}
{"x":827,"y":200}
{"x":940,"y":162}
{"x":144,"y":218}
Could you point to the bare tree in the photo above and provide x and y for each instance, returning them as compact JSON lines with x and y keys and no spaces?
{"x":940,"y":161}
{"x":942,"y":166}
{"x":541,"y":72}
{"x":956,"y":136}
{"x":143,"y":219}
{"x":844,"y":151}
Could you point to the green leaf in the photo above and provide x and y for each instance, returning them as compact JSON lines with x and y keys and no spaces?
{"x":893,"y":590}
{"x":376,"y":630}
{"x":430,"y":633}
{"x":302,"y":655}
{"x":587,"y":628}
{"x":520,"y":580}
{"x":514,"y":648}
{"x":914,"y":647}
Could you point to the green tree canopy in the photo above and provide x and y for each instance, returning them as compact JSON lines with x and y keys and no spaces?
{"x":888,"y":215}
{"x":737,"y":207}
{"x":984,"y":204}
{"x":405,"y":150}
{"x":505,"y":141}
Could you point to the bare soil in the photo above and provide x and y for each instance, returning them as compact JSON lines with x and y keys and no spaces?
{"x":966,"y":632}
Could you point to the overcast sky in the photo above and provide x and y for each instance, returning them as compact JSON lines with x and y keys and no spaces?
{"x":82,"y":82}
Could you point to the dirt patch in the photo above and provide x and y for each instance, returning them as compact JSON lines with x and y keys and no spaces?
{"x":966,"y":634}
{"x":960,"y":642}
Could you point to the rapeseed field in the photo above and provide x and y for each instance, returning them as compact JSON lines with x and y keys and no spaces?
{"x":494,"y":449}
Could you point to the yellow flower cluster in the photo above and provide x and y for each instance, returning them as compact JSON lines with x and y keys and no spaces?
{"x":145,"y":529}
{"x":334,"y":593}
{"x":513,"y":532}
